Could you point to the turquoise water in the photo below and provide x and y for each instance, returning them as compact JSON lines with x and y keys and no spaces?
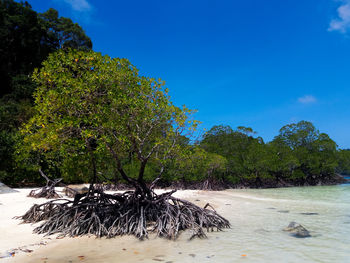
{"x":270,"y":210}
{"x":258,"y":217}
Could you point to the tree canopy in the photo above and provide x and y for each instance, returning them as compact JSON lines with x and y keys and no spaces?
{"x":98,"y":105}
{"x":299,"y":155}
{"x":93,"y":103}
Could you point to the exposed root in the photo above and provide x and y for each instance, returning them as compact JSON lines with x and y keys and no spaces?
{"x":107,"y":215}
{"x":45,"y":192}
{"x":48,"y":191}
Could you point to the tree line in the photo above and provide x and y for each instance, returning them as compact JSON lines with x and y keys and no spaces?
{"x":299,"y":155}
{"x":39,"y":129}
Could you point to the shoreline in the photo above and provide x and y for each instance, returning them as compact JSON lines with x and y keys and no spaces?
{"x":21,"y":243}
{"x":338,"y":179}
{"x":257,"y":218}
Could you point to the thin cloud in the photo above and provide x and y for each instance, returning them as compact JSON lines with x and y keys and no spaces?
{"x":81,"y":10}
{"x":307,"y":99}
{"x":77,"y":5}
{"x":342,"y":22}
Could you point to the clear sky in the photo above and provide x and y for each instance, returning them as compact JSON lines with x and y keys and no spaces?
{"x":262,"y":64}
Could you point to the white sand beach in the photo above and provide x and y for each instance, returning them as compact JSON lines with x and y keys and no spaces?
{"x":20,"y":244}
{"x":15,"y":237}
{"x":257,"y":218}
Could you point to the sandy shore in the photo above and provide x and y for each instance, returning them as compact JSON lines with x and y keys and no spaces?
{"x":17,"y":238}
{"x":20,"y":244}
{"x":257,"y":218}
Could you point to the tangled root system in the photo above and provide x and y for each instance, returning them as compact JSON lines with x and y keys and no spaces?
{"x":106,"y":215}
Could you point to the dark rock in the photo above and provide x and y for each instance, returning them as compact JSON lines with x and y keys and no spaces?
{"x":309,"y":214}
{"x":283,"y":211}
{"x":297,"y":230}
{"x":272,"y":208}
{"x":26,"y":250}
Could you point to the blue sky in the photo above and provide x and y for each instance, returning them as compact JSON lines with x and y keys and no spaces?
{"x":261,"y":64}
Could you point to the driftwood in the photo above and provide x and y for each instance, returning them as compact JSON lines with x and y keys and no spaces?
{"x":48,"y":191}
{"x":106,"y":215}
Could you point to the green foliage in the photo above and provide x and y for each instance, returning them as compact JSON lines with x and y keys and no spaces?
{"x":61,"y":32}
{"x":197,"y":165}
{"x":300,"y":155}
{"x":315,"y":152}
{"x":88,"y":101}
{"x":343,"y":157}
{"x":26,"y":40}
{"x":85,"y":99}
{"x":235,"y":146}
{"x":11,"y":172}
{"x":20,"y":34}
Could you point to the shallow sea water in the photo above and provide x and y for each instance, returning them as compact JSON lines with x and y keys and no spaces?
{"x":257,"y":218}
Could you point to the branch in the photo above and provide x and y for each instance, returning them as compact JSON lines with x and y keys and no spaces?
{"x":162,"y":167}
{"x":158,"y":178}
{"x":43,"y":175}
{"x":119,"y":165}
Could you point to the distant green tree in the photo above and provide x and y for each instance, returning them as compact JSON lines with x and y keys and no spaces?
{"x":61,"y":32}
{"x":282,"y":163}
{"x":315,"y":152}
{"x":301,"y":134}
{"x":343,"y":157}
{"x":233,"y":145}
{"x":256,"y":164}
{"x":197,"y":167}
{"x":299,"y":155}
